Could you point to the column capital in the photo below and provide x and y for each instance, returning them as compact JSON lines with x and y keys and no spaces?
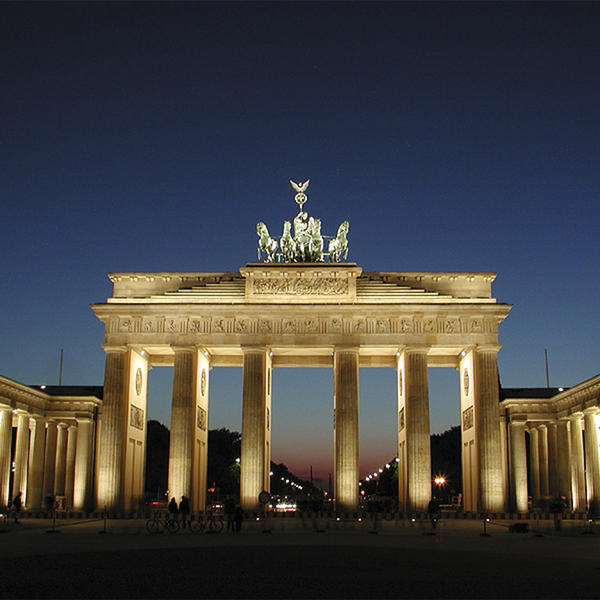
{"x":176,"y":348}
{"x":590,"y":410}
{"x":542,"y":426}
{"x":575,"y":416}
{"x":487,"y":348}
{"x":518,"y":420}
{"x":255,"y":349}
{"x":416,"y":349}
{"x":110,"y":348}
{"x":346,"y":349}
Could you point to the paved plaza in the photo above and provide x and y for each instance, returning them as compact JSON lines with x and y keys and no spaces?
{"x":346,"y":561}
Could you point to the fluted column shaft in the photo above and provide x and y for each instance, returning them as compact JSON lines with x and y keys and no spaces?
{"x":577,"y":464}
{"x":5,"y":450}
{"x":345,"y":391}
{"x":518,"y":466}
{"x":83,"y":458}
{"x":418,"y":445}
{"x":543,"y":449}
{"x":592,"y":461}
{"x":553,"y":475}
{"x":60,"y":468}
{"x":491,"y":479}
{"x":70,"y":463}
{"x":113,"y":423}
{"x":36,"y":465}
{"x":21,"y":456}
{"x":534,"y":458}
{"x":255,"y":460}
{"x":564,"y":460}
{"x":183,"y":411}
{"x":50,"y":459}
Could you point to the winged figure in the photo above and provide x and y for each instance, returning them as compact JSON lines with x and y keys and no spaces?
{"x":300,"y":187}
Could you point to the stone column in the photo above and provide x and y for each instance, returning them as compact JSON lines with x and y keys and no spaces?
{"x":518,"y":466}
{"x":552,"y":461}
{"x":60,"y":467}
{"x":591,"y":460}
{"x":113,"y":423}
{"x":492,"y":495}
{"x":577,"y":464}
{"x":543,"y":449}
{"x":21,"y":456}
{"x":82,"y":487}
{"x":564,"y":460}
{"x":70,"y":464}
{"x":534,"y":463}
{"x":50,"y":459}
{"x":345,"y":429}
{"x":183,"y":411}
{"x":255,"y":462}
{"x":36,"y":465}
{"x":416,"y":421}
{"x":5,"y":457}
{"x":200,"y":463}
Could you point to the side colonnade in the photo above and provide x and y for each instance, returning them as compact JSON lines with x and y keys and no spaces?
{"x":560,"y":431}
{"x":47,"y":442}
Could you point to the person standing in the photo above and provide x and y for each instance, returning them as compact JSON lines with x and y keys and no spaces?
{"x":433,"y":509}
{"x":173,"y":509}
{"x":184,"y":511}
{"x":17,"y":506}
{"x":238,"y":517}
{"x":229,"y":514}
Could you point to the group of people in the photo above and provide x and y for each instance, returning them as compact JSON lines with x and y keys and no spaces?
{"x":233,"y":513}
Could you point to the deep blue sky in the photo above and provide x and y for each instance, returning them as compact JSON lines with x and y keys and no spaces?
{"x":152,"y":137}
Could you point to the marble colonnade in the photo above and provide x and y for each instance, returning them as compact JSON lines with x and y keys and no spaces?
{"x":561,"y":432}
{"x":53,"y":450}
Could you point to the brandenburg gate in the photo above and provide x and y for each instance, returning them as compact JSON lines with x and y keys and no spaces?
{"x":302,"y":307}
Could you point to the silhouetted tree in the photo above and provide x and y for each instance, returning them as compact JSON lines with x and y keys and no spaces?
{"x":446,"y":460}
{"x":224,"y":448}
{"x":157,"y":460}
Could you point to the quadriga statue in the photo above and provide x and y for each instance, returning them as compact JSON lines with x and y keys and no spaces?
{"x":338,"y":246}
{"x":266,"y":243}
{"x":316,"y":240}
{"x":287,"y":243}
{"x":302,"y":237}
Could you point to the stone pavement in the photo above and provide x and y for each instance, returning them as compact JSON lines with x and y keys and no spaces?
{"x":347,"y":561}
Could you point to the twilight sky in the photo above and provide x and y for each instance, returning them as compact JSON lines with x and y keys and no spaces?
{"x":152,"y":137}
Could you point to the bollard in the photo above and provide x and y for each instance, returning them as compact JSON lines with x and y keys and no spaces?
{"x":53,"y":530}
{"x":104,"y":530}
{"x":486,"y":520}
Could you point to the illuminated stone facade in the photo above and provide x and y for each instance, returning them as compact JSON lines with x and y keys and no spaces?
{"x":53,"y":453}
{"x":299,"y":315}
{"x":559,"y":424}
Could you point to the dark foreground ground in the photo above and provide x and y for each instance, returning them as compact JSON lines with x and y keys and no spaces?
{"x":403,"y":563}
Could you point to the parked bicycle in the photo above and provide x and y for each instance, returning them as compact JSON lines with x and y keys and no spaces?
{"x":159,"y":522}
{"x":207,"y":523}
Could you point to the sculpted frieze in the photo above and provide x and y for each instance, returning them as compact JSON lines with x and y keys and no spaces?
{"x":323,"y":324}
{"x":303,"y":286}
